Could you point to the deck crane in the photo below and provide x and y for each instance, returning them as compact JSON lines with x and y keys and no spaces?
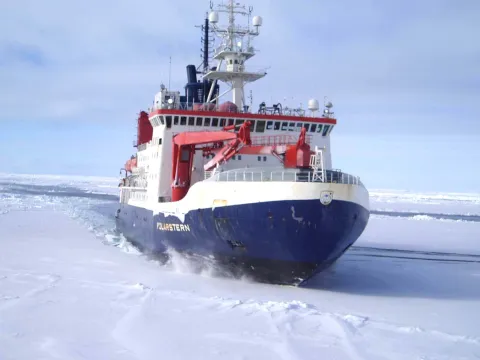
{"x":224,"y":144}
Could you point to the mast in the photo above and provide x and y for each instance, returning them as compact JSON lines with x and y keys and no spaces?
{"x":234,"y":51}
{"x":205,"y":46}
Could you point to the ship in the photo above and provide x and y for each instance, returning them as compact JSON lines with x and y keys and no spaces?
{"x":252,"y":188}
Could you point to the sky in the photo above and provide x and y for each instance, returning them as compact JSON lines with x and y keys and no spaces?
{"x":404,"y":78}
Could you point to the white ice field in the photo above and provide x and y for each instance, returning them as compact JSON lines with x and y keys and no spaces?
{"x":70,"y":288}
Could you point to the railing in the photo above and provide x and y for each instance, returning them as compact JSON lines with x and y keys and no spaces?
{"x":331,"y":176}
{"x":128,"y":192}
{"x":213,"y":107}
{"x":276,"y":140}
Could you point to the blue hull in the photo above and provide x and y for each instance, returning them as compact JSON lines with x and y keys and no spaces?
{"x":280,"y":244}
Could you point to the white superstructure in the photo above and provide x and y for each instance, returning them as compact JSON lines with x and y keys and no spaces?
{"x":172,"y":113}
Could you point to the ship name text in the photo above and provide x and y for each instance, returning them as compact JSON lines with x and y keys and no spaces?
{"x":172,"y":227}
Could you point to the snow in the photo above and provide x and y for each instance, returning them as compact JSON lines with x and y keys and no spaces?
{"x":72,"y":288}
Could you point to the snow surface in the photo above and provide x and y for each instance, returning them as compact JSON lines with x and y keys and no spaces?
{"x":72,"y":288}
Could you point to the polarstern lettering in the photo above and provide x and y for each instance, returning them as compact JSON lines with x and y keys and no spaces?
{"x":172,"y":227}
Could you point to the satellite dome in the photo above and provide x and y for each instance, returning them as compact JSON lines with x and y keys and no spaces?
{"x":257,"y":21}
{"x":213,"y":17}
{"x":313,"y":105}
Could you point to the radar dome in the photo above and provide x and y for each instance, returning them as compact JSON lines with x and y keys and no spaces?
{"x":257,"y":21}
{"x":213,"y":17}
{"x":328,"y":105}
{"x":313,"y":105}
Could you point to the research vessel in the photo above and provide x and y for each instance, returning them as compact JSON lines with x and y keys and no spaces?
{"x":252,"y":188}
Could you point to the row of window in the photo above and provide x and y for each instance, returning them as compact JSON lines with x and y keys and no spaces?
{"x":257,"y":125}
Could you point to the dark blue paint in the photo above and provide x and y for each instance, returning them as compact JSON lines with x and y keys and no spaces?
{"x":259,"y":230}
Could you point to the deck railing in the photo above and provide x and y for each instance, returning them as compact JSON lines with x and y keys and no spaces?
{"x":331,"y":176}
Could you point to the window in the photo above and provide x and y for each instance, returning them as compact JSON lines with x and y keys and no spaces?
{"x":207,"y":122}
{"x":191,"y":121}
{"x":230,"y":122}
{"x":215,"y":122}
{"x":299,"y":127}
{"x":269,"y":125}
{"x":159,"y":142}
{"x":183,"y":120}
{"x":319,"y":128}
{"x":259,"y":158}
{"x":239,"y":121}
{"x":223,"y":122}
{"x":264,"y":158}
{"x":175,"y":120}
{"x":306,"y":126}
{"x":325,"y":130}
{"x":313,"y":127}
{"x":185,"y":155}
{"x":284,"y":126}
{"x":199,"y":121}
{"x":260,"y":126}
{"x":239,"y":157}
{"x":291,"y":126}
{"x":252,"y":126}
{"x":277,"y":125}
{"x":169,"y":121}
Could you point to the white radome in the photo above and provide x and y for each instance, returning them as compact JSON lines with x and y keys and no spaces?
{"x":213,"y":17}
{"x":257,"y":21}
{"x":313,"y":105}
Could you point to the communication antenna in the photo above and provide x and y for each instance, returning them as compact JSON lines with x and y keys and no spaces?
{"x":169,"y":72}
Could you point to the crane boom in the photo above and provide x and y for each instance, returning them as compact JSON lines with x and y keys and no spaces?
{"x":225,"y":145}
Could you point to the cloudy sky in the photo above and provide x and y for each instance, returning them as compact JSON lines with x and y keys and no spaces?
{"x":404,"y":77}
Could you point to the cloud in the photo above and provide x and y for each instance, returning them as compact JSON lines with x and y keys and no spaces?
{"x":103,"y":61}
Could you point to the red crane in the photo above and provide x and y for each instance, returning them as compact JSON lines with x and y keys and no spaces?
{"x":184,"y":147}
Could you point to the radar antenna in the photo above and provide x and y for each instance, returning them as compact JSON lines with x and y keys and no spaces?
{"x":234,"y":51}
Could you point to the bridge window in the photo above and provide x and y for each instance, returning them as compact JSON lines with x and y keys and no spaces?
{"x":313,"y":127}
{"x":231,"y":122}
{"x":175,"y":120}
{"x":259,"y":158}
{"x":191,"y":121}
{"x":183,"y":120}
{"x":284,"y":126}
{"x":239,"y":157}
{"x":260,"y":126}
{"x":277,"y":125}
{"x":252,"y":126}
{"x":319,"y":128}
{"x":207,"y":122}
{"x":306,"y":126}
{"x":269,"y":125}
{"x":299,"y":127}
{"x":199,"y":121}
{"x":291,"y":126}
{"x":223,"y":122}
{"x":215,"y":122}
{"x":325,"y":130}
{"x":169,"y":122}
{"x":239,"y":121}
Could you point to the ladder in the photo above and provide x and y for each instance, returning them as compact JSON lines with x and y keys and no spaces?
{"x":317,"y":164}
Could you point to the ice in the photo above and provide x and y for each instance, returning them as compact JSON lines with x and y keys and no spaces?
{"x":73,"y":288}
